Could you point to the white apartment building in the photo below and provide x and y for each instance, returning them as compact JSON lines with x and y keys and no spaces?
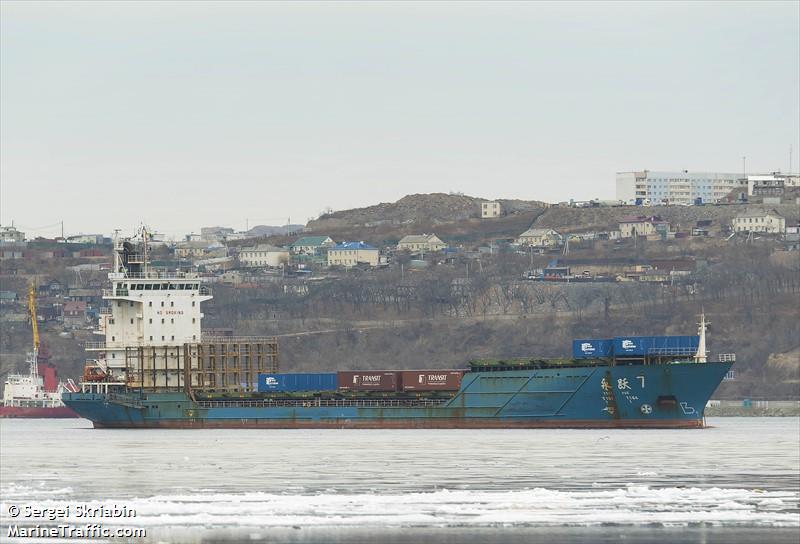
{"x":491,"y":209}
{"x":675,"y":187}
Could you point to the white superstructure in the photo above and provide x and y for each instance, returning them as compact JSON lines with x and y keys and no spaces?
{"x":27,"y":390}
{"x":152,"y":314}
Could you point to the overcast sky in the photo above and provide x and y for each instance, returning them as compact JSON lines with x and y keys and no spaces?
{"x":184,"y":115}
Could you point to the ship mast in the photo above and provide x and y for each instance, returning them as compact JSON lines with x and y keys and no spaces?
{"x":34,"y":370}
{"x":700,"y":356}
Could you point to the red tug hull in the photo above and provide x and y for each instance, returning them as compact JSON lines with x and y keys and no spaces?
{"x":60,"y":412}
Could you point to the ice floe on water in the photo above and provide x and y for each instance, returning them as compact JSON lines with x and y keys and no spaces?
{"x":627,"y":506}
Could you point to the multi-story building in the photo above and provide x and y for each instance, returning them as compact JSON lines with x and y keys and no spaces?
{"x":769,"y":222}
{"x":10,"y":235}
{"x":491,"y":209}
{"x":263,"y":255}
{"x":675,"y":187}
{"x":765,"y":186}
{"x":417,"y":242}
{"x":349,"y":254}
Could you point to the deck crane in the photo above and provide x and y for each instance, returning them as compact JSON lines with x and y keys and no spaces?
{"x":34,"y":360}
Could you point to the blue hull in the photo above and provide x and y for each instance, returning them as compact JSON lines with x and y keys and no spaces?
{"x":637,"y":396}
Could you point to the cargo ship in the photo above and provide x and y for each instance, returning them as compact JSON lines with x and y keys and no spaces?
{"x":156,"y":369}
{"x":36,"y":394}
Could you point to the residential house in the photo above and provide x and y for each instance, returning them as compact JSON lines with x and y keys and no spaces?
{"x":191,"y":249}
{"x":768,"y":222}
{"x":421,"y":242}
{"x":11,"y":251}
{"x":8,"y":298}
{"x":74,"y":314}
{"x":642,"y":226}
{"x":491,"y":209}
{"x":263,"y":255}
{"x":311,"y":245}
{"x":53,"y":288}
{"x":90,"y":296}
{"x":349,"y":254}
{"x":539,"y":238}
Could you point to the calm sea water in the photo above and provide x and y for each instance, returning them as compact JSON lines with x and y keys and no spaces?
{"x":736,"y":482}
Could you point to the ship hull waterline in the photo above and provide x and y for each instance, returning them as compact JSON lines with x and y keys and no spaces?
{"x":433,"y":423}
{"x":34,"y":412}
{"x":604,"y":397}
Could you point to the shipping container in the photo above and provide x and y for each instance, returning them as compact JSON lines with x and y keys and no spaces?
{"x":430,"y":380}
{"x":592,"y":348}
{"x":367,"y":380}
{"x":640,"y":346}
{"x":287,"y":383}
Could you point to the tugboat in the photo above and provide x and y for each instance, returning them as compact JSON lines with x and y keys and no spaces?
{"x":36,"y":394}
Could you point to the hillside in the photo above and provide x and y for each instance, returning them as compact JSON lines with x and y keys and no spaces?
{"x":427,"y":209}
{"x":456,"y":218}
{"x":684,"y":217}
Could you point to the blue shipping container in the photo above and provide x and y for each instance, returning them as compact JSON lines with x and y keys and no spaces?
{"x":639,"y":346}
{"x":286,"y":383}
{"x":592,"y":348}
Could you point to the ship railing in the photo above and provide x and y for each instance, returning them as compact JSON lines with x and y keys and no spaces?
{"x":94,"y":345}
{"x":158,"y":275}
{"x":726,"y":357}
{"x":338,"y":403}
{"x":105,"y":311}
{"x":222,"y":339}
{"x":671,"y":351}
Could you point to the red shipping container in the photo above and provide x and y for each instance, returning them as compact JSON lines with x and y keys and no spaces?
{"x":431,"y":380}
{"x":366,"y":380}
